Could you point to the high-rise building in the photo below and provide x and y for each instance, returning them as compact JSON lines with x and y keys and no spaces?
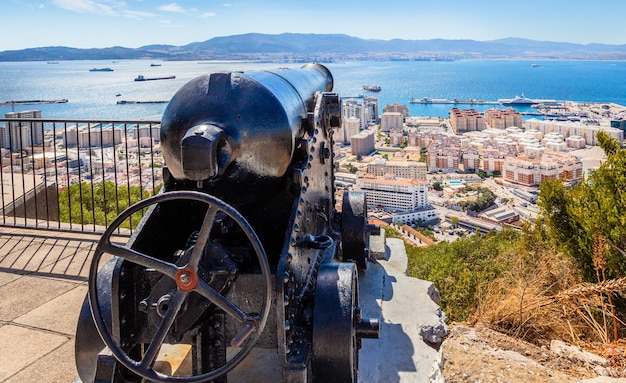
{"x":370,"y":106}
{"x":20,"y":135}
{"x":366,"y":111}
{"x":363,"y":143}
{"x":349,"y":128}
{"x":390,"y":121}
{"x":466,"y":120}
{"x":502,"y":119}
{"x":399,"y":108}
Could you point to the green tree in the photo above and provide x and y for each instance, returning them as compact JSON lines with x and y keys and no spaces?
{"x":462,"y":270}
{"x":595,"y":207}
{"x":99,"y":203}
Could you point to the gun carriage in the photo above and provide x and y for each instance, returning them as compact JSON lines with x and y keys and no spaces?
{"x":243,"y":247}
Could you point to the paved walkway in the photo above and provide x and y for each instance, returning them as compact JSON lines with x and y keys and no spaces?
{"x":43,"y":281}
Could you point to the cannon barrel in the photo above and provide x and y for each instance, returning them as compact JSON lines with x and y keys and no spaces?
{"x":236,"y":126}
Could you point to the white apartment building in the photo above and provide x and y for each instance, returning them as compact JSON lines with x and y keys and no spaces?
{"x":349,"y":127}
{"x":92,"y":136}
{"x":363,"y":143}
{"x":21,"y":135}
{"x":394,"y":194}
{"x":442,"y":157}
{"x":532,"y":171}
{"x":399,"y":108}
{"x":396,"y":137}
{"x":492,"y":160}
{"x":575,"y":142}
{"x":400,"y":169}
{"x":153,"y":132}
{"x":366,"y":111}
{"x":569,"y":128}
{"x":471,"y":159}
{"x":391,"y":121}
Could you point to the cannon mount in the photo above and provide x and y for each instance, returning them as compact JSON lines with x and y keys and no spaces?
{"x":220,"y":274}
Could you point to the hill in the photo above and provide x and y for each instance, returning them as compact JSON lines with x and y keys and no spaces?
{"x":329,"y":47}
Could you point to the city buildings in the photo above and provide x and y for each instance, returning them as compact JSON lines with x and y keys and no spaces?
{"x":88,"y":136}
{"x":397,"y":108}
{"x":363,"y":143}
{"x":365,"y":109}
{"x":356,"y":115}
{"x":527,"y":171}
{"x":406,"y":198}
{"x":399,"y":169}
{"x":502,"y":119}
{"x":587,"y":129}
{"x":17,"y":136}
{"x":466,"y":120}
{"x":391,"y":121}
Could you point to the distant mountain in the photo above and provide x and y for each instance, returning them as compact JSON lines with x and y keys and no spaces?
{"x":324,"y":47}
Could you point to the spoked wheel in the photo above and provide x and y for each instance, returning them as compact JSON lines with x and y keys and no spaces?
{"x":187,"y":280}
{"x":335,"y":319}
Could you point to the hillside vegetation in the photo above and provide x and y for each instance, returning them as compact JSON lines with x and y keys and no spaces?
{"x":561,"y":278}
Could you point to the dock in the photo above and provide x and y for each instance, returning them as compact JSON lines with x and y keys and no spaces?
{"x":445,"y":101}
{"x":122,"y":102}
{"x":34,"y":102}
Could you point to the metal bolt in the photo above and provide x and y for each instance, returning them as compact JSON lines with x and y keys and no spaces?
{"x":143,"y":305}
{"x":184,"y":278}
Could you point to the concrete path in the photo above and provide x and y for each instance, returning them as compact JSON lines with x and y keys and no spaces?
{"x":42,"y":285}
{"x":409,"y":315}
{"x":43,"y":281}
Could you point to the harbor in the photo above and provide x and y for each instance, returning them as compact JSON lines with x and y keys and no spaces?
{"x":34,"y":102}
{"x":123,"y":102}
{"x":471,"y":101}
{"x":517,"y":100}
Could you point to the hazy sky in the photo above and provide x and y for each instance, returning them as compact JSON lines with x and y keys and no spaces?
{"x":133,"y":23}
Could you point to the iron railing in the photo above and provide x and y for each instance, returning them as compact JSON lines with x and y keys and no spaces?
{"x":75,"y":175}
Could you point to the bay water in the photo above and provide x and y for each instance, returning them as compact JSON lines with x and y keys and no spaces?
{"x":94,"y":95}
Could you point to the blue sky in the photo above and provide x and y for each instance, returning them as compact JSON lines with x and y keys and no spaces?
{"x":133,"y":23}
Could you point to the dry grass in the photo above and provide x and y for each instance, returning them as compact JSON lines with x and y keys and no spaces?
{"x":541,"y":299}
{"x":519,"y":303}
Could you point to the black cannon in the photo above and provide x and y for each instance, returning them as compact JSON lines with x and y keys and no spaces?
{"x":243,"y":247}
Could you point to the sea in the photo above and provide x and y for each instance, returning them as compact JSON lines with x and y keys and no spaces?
{"x":95,"y":95}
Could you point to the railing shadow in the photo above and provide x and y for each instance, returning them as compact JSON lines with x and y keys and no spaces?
{"x":48,"y":254}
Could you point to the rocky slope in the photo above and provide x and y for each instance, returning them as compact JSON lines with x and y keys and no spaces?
{"x":478,"y":354}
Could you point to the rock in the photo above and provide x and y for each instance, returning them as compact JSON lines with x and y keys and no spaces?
{"x":574,"y":353}
{"x":604,"y":379}
{"x":434,"y":334}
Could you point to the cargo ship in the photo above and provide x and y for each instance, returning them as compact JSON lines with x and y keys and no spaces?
{"x":142,"y":78}
{"x":372,"y":88}
{"x":101,"y":70}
